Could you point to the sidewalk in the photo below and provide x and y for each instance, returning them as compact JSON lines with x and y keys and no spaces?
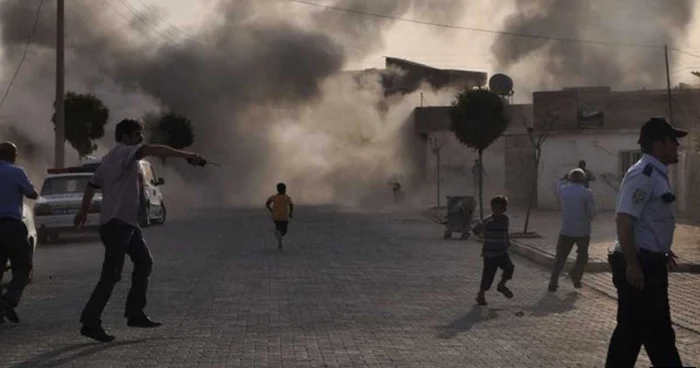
{"x":546,"y":224}
{"x":684,"y":283}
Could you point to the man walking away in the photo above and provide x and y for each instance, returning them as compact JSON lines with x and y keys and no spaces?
{"x":118,"y":178}
{"x":578,"y":210}
{"x":14,"y":245}
{"x":642,"y":255}
{"x":281,"y":207}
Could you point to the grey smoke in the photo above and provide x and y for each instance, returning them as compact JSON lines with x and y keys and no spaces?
{"x":249,"y":73}
{"x":358,"y":32}
{"x":626,"y":21}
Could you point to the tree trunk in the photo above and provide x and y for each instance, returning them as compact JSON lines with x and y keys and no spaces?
{"x":481,"y":185}
{"x":533,"y":190}
{"x":438,"y":180}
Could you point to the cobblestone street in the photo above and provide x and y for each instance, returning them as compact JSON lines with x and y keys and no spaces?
{"x":350,"y":288}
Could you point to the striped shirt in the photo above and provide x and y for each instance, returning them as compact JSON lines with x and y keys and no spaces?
{"x":495,"y":232}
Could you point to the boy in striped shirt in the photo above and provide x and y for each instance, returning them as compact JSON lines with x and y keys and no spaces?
{"x":495,"y":250}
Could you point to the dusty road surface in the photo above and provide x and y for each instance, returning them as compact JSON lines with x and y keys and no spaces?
{"x":350,"y":289}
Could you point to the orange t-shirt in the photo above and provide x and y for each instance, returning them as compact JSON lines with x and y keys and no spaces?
{"x":280,"y":206}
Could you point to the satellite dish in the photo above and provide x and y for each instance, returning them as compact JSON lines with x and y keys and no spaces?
{"x":501,"y":84}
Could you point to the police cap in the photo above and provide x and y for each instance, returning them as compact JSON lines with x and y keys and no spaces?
{"x":657,"y":128}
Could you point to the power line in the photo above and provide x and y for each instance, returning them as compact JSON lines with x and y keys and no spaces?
{"x":24,"y":55}
{"x":504,"y":33}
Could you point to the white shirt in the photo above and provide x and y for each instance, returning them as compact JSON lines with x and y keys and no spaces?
{"x":577,"y":209}
{"x":647,"y":196}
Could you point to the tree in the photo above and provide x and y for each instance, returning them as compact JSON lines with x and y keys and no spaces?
{"x":537,"y":139}
{"x":478,"y":118}
{"x":169,"y":128}
{"x":85,"y":120}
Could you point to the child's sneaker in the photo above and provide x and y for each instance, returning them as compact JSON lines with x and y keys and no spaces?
{"x":505,"y":291}
{"x":481,"y":300}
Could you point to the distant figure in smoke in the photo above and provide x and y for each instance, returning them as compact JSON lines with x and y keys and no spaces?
{"x":397,"y":191}
{"x":118,"y":179}
{"x":589,"y":175}
{"x":281,"y":207}
{"x":14,"y":245}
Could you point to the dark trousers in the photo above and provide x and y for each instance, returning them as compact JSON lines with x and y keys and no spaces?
{"x":491,"y":265}
{"x":643,"y":317}
{"x":15,"y":247}
{"x":281,"y":227}
{"x":564,"y":247}
{"x":120,"y":239}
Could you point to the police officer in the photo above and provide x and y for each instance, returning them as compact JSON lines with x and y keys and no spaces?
{"x":642,"y":256}
{"x":14,"y":185}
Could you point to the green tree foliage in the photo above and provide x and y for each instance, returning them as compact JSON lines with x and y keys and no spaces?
{"x":478,"y":117}
{"x":171,"y":129}
{"x":85,"y":120}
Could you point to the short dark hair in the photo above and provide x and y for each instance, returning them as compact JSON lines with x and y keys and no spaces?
{"x":281,"y":188}
{"x":499,"y":201}
{"x":126,"y":127}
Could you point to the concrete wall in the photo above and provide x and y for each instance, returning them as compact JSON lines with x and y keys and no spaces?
{"x":456,"y":168}
{"x":520,"y":173}
{"x":620,"y":109}
{"x":601,"y":150}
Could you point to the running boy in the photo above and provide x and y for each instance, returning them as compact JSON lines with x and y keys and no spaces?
{"x":495,"y":250}
{"x":282,"y":209}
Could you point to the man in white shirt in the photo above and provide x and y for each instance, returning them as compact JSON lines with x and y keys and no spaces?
{"x":578,"y":210}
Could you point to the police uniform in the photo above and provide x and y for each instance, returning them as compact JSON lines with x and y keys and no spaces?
{"x":643,"y":317}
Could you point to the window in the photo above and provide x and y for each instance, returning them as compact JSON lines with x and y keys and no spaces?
{"x":64,"y":185}
{"x":627,"y":159}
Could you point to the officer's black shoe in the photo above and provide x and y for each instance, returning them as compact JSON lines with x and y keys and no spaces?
{"x":96,"y":333}
{"x":11,"y":314}
{"x":552,"y":288}
{"x":142,"y":322}
{"x":577,"y":284}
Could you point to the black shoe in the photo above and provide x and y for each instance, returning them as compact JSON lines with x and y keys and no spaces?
{"x":577,"y":284}
{"x":142,"y":322}
{"x":96,"y":333}
{"x":481,"y":300}
{"x":11,"y":314}
{"x":504,"y":290}
{"x":552,"y":288}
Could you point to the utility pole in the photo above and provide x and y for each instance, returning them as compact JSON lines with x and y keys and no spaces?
{"x":59,"y":148}
{"x":668,"y":85}
{"x":436,"y":146}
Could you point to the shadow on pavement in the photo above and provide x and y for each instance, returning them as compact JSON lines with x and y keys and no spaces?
{"x":74,"y":352}
{"x":552,"y":303}
{"x":465,"y":323}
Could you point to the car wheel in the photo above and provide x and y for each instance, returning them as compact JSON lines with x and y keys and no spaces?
{"x":163,"y":215}
{"x":145,"y":219}
{"x":42,"y":237}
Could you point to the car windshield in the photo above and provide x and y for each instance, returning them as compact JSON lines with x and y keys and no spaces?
{"x":65,"y":185}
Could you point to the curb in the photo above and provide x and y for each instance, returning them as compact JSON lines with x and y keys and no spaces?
{"x":546,"y":259}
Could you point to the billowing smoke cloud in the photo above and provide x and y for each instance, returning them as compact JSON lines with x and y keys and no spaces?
{"x":264,"y":93}
{"x":359,"y":32}
{"x":646,"y":22}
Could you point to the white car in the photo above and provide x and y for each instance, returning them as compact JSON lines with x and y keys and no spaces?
{"x":62,"y":194}
{"x":59,"y":200}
